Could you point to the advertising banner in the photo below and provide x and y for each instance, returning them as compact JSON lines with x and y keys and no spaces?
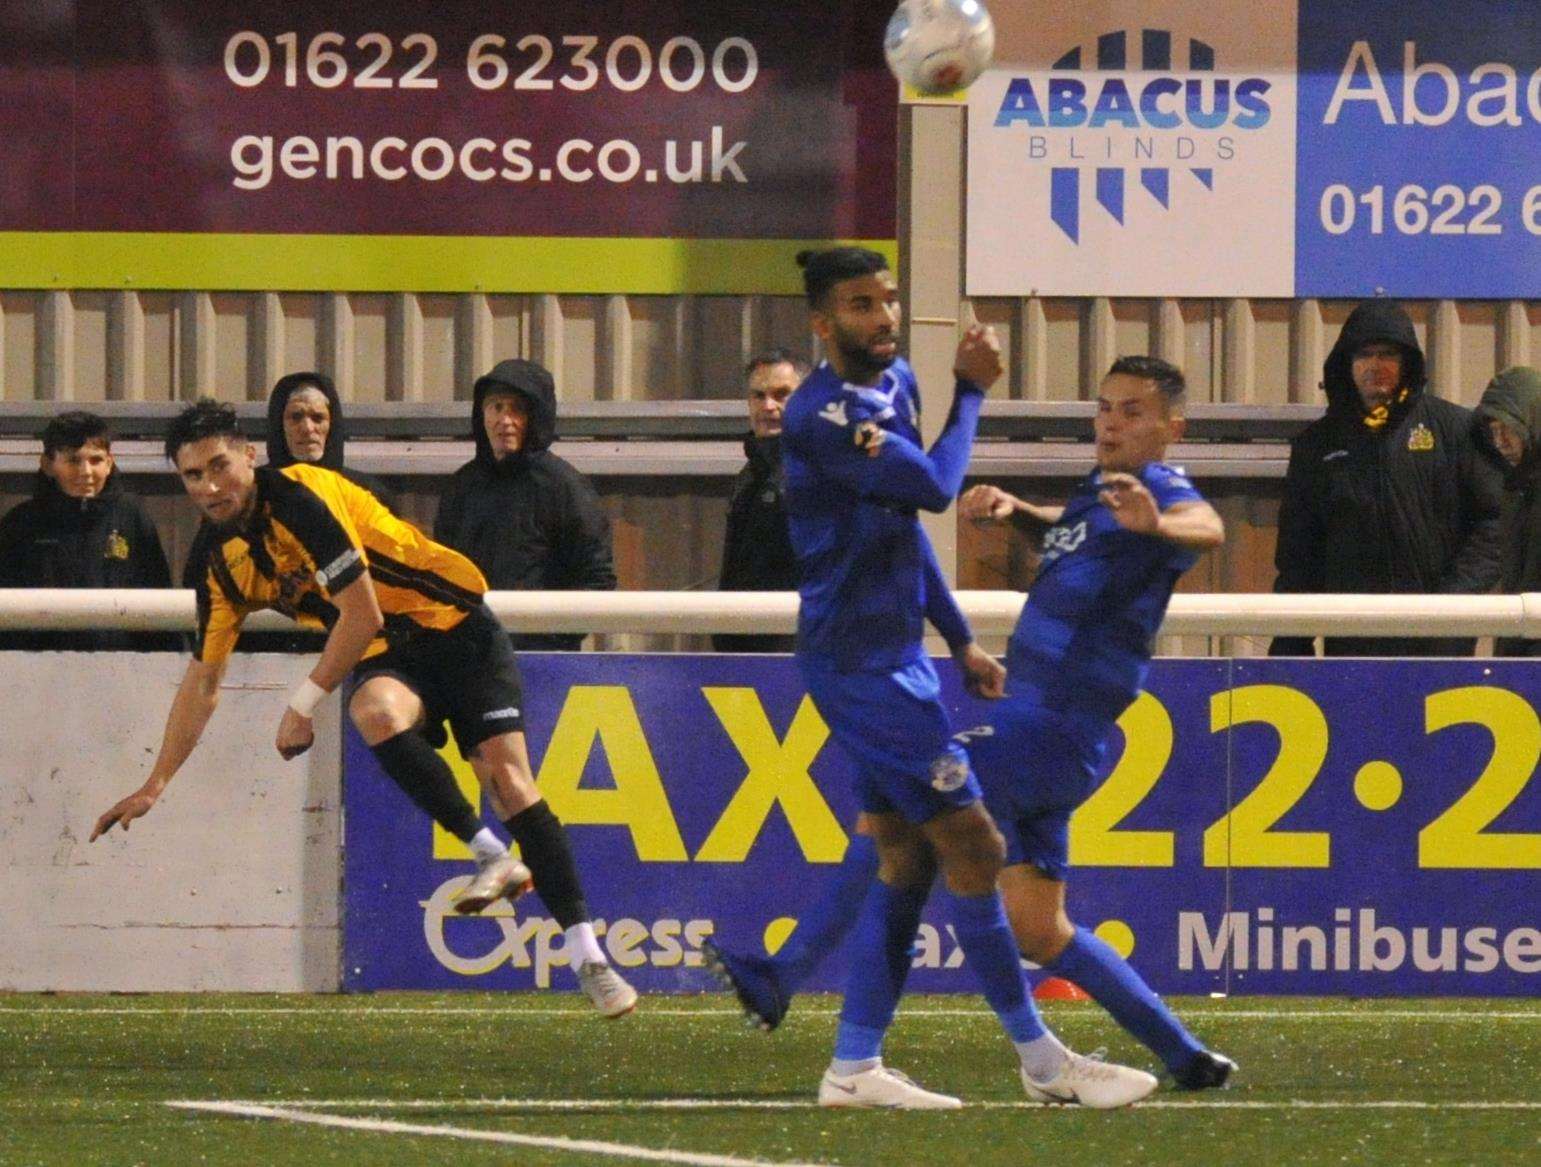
{"x":144,"y":139}
{"x":1308,"y":148}
{"x":1300,"y":827}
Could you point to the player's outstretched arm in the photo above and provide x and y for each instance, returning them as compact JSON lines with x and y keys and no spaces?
{"x":359,"y":620}
{"x":190,"y":711}
{"x":1194,"y":524}
{"x":991,"y":504}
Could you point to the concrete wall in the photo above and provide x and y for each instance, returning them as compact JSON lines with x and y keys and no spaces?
{"x":231,"y":882}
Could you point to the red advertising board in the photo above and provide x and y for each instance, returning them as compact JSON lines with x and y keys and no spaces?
{"x":595,"y":146}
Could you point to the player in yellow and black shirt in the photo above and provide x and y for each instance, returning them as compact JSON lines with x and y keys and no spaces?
{"x":405,"y":616}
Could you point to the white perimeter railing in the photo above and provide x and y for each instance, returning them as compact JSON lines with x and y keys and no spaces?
{"x":990,"y":612}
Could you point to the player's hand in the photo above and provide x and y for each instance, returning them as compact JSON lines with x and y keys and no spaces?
{"x":983,"y":675}
{"x":123,"y":812}
{"x":1133,"y":506}
{"x":979,"y":356}
{"x":295,"y":734}
{"x":987,"y":504}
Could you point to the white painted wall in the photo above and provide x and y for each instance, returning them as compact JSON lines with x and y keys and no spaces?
{"x":231,"y":882}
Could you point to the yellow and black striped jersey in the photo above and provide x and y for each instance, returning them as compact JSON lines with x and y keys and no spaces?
{"x":311,"y":534}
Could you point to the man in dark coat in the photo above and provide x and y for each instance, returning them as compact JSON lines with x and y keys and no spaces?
{"x":80,"y":529}
{"x":520,"y":513}
{"x":757,"y":550}
{"x":1510,"y":415}
{"x":1390,"y":492}
{"x":305,"y":424}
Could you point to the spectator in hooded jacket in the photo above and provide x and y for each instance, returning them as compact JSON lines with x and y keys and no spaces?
{"x":305,"y":424}
{"x":1510,"y":414}
{"x":757,"y":551}
{"x":520,"y":513}
{"x":1392,"y":491}
{"x":80,"y":529}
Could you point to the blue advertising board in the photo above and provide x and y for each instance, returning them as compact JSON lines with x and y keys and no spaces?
{"x":1311,"y":827}
{"x":1419,"y":149}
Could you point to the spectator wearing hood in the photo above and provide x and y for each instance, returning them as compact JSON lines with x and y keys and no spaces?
{"x":305,"y":424}
{"x":757,"y":551}
{"x":1510,"y":415}
{"x":80,"y":529}
{"x":1391,"y":491}
{"x":520,"y":513}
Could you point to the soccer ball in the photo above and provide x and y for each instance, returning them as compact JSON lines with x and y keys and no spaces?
{"x":938,"y":46}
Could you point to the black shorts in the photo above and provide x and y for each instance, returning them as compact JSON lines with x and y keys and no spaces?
{"x":467,"y":676}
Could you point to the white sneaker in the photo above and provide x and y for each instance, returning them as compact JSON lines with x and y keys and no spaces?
{"x":611,"y":995}
{"x":1089,"y":1081}
{"x":880,"y":1088}
{"x":503,"y":876}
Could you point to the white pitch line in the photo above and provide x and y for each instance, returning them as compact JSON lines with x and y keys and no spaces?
{"x":678,"y":1104}
{"x":545,"y":1142}
{"x":646,"y":1010}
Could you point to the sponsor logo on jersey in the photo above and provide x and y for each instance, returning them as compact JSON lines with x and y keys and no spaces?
{"x":499,"y":714}
{"x":1059,"y":541}
{"x":834,"y":413}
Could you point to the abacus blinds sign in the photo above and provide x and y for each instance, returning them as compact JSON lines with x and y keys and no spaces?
{"x":1108,"y":167}
{"x":1159,"y":115}
{"x":1319,"y":148}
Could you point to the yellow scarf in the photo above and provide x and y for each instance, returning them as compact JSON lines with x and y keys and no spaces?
{"x":1375,"y":418}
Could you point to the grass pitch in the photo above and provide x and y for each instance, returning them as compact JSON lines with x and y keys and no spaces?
{"x":538,"y":1079}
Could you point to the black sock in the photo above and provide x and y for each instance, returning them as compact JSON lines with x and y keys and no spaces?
{"x":546,"y":852}
{"x":426,"y":779}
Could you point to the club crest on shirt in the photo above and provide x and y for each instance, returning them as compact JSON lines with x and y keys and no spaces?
{"x":948,"y":773}
{"x":291,"y":586}
{"x":869,"y":436}
{"x":1421,"y":439}
{"x":117,"y":546}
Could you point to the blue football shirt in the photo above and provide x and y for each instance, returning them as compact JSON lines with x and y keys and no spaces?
{"x":855,"y":477}
{"x":1085,"y":636}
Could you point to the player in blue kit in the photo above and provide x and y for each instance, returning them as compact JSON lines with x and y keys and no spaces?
{"x":856,"y":475}
{"x":1077,"y":659}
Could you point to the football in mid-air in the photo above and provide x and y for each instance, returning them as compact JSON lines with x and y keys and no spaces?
{"x":939,"y":46}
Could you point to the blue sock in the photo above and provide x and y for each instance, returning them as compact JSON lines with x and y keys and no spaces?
{"x":991,"y":951}
{"x":881,"y":949}
{"x":1113,"y":984}
{"x":821,"y":928}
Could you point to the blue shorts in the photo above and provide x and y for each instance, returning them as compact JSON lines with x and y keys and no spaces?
{"x":895,"y":731}
{"x":1035,"y":767}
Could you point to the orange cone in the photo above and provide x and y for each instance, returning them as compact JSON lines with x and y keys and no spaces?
{"x":1059,"y":989}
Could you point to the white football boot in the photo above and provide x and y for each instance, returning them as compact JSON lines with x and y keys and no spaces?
{"x":496,"y":878}
{"x":880,"y":1088}
{"x":611,"y":995}
{"x":1089,"y":1081}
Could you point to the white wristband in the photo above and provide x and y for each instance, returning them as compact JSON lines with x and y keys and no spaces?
{"x":306,"y":698}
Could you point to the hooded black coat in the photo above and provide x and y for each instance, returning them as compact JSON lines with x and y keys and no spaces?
{"x":757,"y":553}
{"x":529,"y":520}
{"x":54,"y":541}
{"x":332,"y":454}
{"x":1409,"y":507}
{"x":1514,"y":397}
